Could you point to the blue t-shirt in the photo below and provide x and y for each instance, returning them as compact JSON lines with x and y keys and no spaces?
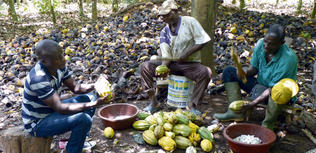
{"x":40,"y":85}
{"x":282,"y":65}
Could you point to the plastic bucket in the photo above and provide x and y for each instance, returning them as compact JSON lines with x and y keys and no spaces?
{"x":180,"y":90}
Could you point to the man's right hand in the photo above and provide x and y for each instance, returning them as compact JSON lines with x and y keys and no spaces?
{"x":241,"y":74}
{"x":103,"y":100}
{"x":164,"y":73}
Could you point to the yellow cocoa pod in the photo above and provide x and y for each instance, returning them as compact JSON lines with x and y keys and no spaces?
{"x":108,"y":132}
{"x":161,"y":69}
{"x":206,"y":145}
{"x":237,"y":105}
{"x":167,"y":143}
{"x":149,"y":137}
{"x":193,"y":126}
{"x":103,"y":87}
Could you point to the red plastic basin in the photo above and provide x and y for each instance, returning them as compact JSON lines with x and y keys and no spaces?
{"x":266,"y":135}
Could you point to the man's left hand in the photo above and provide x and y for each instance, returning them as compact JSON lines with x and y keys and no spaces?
{"x":245,"y":108}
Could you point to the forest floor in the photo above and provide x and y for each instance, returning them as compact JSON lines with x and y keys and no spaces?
{"x":32,"y":23}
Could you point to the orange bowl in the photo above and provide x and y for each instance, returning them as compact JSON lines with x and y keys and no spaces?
{"x":264,"y":134}
{"x":118,"y":116}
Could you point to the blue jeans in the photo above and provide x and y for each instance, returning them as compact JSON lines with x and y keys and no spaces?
{"x":230,"y":75}
{"x":78,"y":123}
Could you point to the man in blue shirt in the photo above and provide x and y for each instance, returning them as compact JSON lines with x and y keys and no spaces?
{"x":44,"y":114}
{"x":272,"y":61}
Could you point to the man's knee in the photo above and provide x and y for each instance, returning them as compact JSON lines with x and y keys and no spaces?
{"x":84,"y":119}
{"x":228,"y":73}
{"x":144,"y":66}
{"x":209,"y":72}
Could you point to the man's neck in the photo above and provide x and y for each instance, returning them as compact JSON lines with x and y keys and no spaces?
{"x":174,"y":25}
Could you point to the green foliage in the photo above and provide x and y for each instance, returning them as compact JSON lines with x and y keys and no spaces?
{"x":130,"y":1}
{"x":105,"y":1}
{"x":242,"y":4}
{"x":115,"y":4}
{"x":43,"y":5}
{"x":299,"y":7}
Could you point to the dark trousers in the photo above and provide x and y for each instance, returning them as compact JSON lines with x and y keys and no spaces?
{"x":200,"y":74}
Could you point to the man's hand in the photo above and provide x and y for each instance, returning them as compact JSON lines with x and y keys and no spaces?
{"x":103,"y":100}
{"x":162,"y":73}
{"x":182,"y":57}
{"x":245,"y":108}
{"x":241,"y":73}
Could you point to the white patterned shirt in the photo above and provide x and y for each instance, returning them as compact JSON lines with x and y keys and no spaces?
{"x":188,"y":33}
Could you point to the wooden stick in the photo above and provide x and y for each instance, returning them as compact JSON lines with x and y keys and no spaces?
{"x":309,"y":135}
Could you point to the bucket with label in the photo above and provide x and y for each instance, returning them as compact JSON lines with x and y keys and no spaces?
{"x":180,"y":90}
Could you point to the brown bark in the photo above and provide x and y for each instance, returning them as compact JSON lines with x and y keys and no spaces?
{"x":204,"y":12}
{"x":12,"y":10}
{"x":52,"y":12}
{"x":80,"y":3}
{"x":314,"y":10}
{"x":310,"y":121}
{"x":94,"y":10}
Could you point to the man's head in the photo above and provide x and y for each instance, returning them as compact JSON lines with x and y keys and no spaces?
{"x":274,"y":39}
{"x":50,"y":54}
{"x":169,"y":11}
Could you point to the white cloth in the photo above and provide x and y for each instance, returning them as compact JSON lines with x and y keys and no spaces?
{"x":189,"y":32}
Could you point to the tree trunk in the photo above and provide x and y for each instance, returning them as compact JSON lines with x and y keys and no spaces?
{"x":204,"y":12}
{"x":277,"y":2}
{"x":242,"y":4}
{"x":12,"y":10}
{"x":80,"y":3}
{"x":114,"y":5}
{"x":314,"y":10}
{"x":52,"y":12}
{"x":299,"y":7}
{"x":15,"y":140}
{"x":310,"y":120}
{"x":94,"y":10}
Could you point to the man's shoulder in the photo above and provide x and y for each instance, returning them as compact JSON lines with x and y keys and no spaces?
{"x":288,"y":51}
{"x":37,"y":75}
{"x":188,"y":19}
{"x":258,"y":46}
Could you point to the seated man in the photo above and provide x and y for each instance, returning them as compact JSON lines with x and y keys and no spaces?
{"x":272,"y":60}
{"x":180,"y":42}
{"x":43,"y":112}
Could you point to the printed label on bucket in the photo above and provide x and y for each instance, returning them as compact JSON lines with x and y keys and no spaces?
{"x":180,"y":91}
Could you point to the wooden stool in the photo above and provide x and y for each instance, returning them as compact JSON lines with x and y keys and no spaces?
{"x":16,"y":140}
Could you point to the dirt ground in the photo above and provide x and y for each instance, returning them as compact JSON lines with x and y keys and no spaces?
{"x":123,"y":141}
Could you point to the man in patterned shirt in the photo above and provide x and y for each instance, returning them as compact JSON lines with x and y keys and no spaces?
{"x":181,"y":39}
{"x":44,"y":114}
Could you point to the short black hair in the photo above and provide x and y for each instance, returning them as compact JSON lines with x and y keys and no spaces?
{"x":46,"y":48}
{"x":278,"y":31}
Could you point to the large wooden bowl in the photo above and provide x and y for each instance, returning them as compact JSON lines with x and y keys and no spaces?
{"x":118,"y":116}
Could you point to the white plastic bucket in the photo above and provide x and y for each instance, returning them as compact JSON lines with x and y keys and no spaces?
{"x":180,"y":90}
